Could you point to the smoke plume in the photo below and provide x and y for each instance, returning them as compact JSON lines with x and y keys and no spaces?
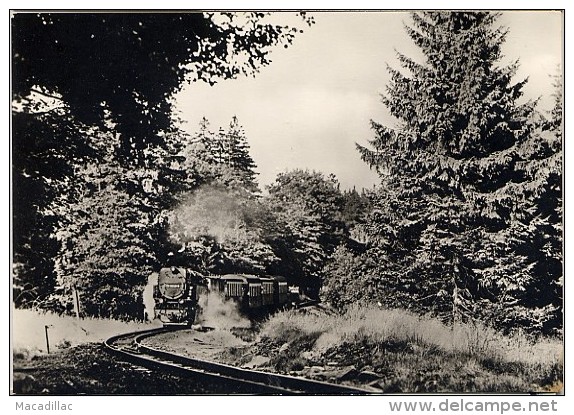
{"x":220,"y":313}
{"x":147,"y":295}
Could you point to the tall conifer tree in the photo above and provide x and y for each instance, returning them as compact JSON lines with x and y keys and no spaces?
{"x":239,"y":158}
{"x":447,"y":221}
{"x":224,"y":157}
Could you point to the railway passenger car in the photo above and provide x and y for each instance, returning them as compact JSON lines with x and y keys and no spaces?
{"x":267,"y":291}
{"x":280,"y":290}
{"x":251,"y":292}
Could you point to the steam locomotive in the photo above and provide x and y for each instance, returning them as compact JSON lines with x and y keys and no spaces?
{"x":178,"y":291}
{"x":176,"y":296}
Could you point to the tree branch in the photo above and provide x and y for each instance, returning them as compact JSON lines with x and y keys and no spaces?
{"x":37,"y":91}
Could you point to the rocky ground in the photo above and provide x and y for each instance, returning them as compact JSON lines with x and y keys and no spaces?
{"x":239,"y":347}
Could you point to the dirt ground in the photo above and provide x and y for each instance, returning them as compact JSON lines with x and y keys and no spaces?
{"x":89,"y":369}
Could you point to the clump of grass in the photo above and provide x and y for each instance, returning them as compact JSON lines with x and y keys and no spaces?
{"x":286,"y":343}
{"x":422,"y":352}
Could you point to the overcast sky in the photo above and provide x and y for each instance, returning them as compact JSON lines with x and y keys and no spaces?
{"x":309,"y":107}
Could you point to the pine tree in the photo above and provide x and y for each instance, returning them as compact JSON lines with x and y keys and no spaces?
{"x":239,"y":159}
{"x":355,"y":206}
{"x":199,"y":154}
{"x":538,"y":215}
{"x":223,"y":157}
{"x":445,"y":218}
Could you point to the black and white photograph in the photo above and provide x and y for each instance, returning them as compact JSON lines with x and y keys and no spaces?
{"x":287,"y":202}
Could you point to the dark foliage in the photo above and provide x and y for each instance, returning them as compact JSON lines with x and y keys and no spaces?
{"x":308,"y":207}
{"x":96,"y":160}
{"x":130,"y":64}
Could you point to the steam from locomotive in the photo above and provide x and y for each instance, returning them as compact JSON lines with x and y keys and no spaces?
{"x":148,"y":297}
{"x":218,"y":313}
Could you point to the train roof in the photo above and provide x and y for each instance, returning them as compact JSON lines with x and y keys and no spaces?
{"x":247,"y":278}
{"x":232,"y":277}
{"x":277,"y":278}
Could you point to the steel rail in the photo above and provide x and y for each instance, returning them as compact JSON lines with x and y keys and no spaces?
{"x":129,"y":347}
{"x":126,"y":346}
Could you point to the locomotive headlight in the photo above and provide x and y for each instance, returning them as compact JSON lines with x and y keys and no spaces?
{"x":181,"y":301}
{"x":160,"y":300}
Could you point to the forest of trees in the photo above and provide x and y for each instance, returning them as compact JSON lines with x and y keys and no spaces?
{"x":107,"y":187}
{"x":100,"y":163}
{"x":467,"y":222}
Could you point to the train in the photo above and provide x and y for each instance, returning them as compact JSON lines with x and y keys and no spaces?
{"x":178,"y":291}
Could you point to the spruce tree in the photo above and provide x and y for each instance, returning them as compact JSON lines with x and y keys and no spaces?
{"x":446,"y":217}
{"x":538,"y":215}
{"x":223,"y":157}
{"x":239,"y":158}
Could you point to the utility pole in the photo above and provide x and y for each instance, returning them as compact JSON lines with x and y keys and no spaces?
{"x":47,"y":339}
{"x":77,"y":298}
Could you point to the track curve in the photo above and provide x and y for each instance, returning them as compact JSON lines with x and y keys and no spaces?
{"x":128,"y":347}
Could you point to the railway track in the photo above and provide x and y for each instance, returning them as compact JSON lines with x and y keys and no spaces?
{"x":234,"y":380}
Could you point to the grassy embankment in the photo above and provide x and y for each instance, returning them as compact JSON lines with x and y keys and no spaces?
{"x":406,"y":353}
{"x":28,"y":332}
{"x":400,"y":352}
